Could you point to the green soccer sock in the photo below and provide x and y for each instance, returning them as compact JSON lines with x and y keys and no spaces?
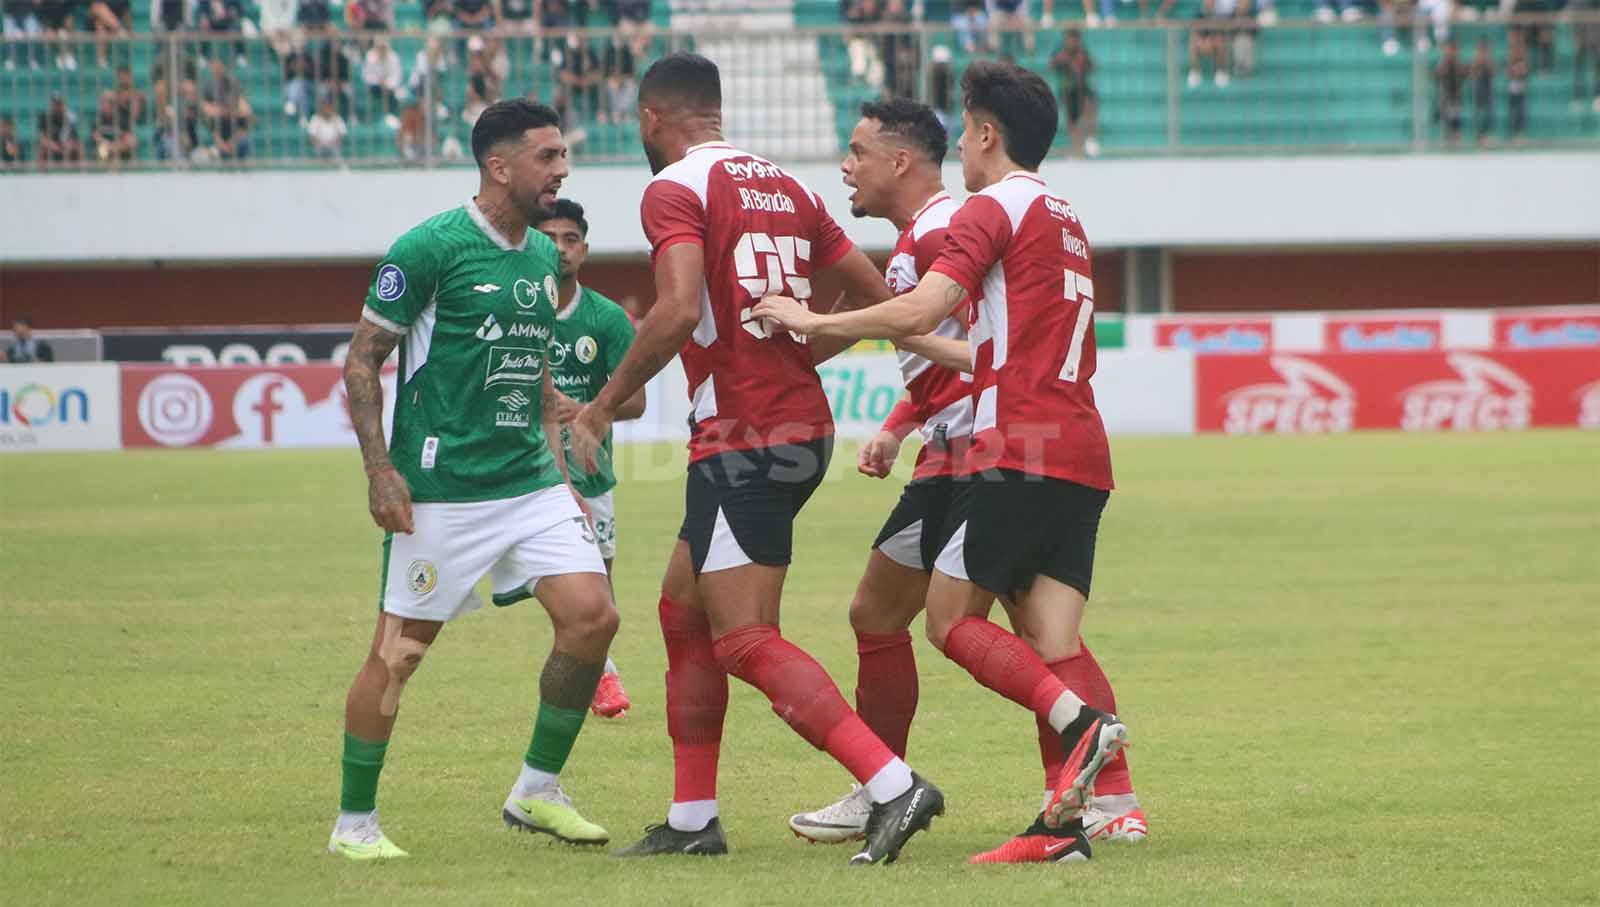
{"x":554,"y":733}
{"x":363,"y":762}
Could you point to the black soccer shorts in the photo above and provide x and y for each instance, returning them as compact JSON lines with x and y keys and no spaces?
{"x":1011,"y":527}
{"x":919,"y":526}
{"x":739,"y":506}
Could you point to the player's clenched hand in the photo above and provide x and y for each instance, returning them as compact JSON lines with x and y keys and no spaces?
{"x":878,"y":455}
{"x":589,"y":428}
{"x":389,"y":500}
{"x":788,"y":313}
{"x":565,"y":409}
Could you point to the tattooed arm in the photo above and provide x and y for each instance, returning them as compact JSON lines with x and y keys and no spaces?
{"x":680,"y":281}
{"x":388,"y":497}
{"x":917,"y":311}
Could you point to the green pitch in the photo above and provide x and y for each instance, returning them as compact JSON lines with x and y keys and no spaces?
{"x":1356,"y":669}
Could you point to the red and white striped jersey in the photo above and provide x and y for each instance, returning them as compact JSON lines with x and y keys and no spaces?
{"x":763,"y":232}
{"x":1021,"y":253}
{"x":938,"y":401}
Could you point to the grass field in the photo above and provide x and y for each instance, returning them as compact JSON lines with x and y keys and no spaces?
{"x":1357,"y":669}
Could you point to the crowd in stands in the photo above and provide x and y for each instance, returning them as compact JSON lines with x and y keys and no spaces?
{"x":339,"y":71}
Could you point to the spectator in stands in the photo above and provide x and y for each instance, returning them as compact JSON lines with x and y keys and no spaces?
{"x":381,"y":73}
{"x":1210,"y":39}
{"x":941,"y":85}
{"x":20,"y":19}
{"x":298,"y":81}
{"x":580,"y":78}
{"x":1586,"y":53}
{"x":862,"y":47}
{"x":1241,"y":38}
{"x":314,"y":16}
{"x":110,"y":19}
{"x":114,"y":136}
{"x":1073,"y":65}
{"x":517,"y":15}
{"x":218,"y":18}
{"x":1518,"y":69}
{"x":221,"y":90}
{"x":622,"y":80}
{"x":1481,"y":71}
{"x":12,"y":150}
{"x":370,"y":15}
{"x":970,"y":21}
{"x":176,"y":132}
{"x":899,"y":51}
{"x":1349,"y":10}
{"x":1011,"y":16}
{"x":326,"y":131}
{"x":1539,"y":40}
{"x":58,"y":18}
{"x":57,"y":134}
{"x":410,"y":139}
{"x":129,"y":99}
{"x":1449,"y":75}
{"x":226,"y":112}
{"x":473,"y":13}
{"x":426,"y":75}
{"x":171,"y":15}
{"x":482,"y":88}
{"x":1427,"y":21}
{"x":631,"y":18}
{"x":332,"y":73}
{"x":276,"y":18}
{"x":27,"y":348}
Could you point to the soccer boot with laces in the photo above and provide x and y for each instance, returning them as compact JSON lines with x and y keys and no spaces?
{"x":664,"y":839}
{"x":845,"y":819}
{"x":892,"y":824}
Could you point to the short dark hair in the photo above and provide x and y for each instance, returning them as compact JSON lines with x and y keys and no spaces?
{"x":508,"y":119}
{"x":1019,"y":102}
{"x":567,"y":209}
{"x":914,"y":123}
{"x":26,"y":320}
{"x":684,"y":80}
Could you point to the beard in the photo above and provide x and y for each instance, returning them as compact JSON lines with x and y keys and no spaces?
{"x":529,"y":206}
{"x":857,"y":211}
{"x":658,"y":161}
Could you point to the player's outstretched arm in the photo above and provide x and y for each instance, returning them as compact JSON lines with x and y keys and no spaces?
{"x":680,"y":280}
{"x":863,"y":286}
{"x":916,"y":311}
{"x":945,"y":351}
{"x":388,"y":497}
{"x":632,"y":408}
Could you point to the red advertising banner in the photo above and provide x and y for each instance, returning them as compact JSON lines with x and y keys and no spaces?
{"x":1336,"y":392}
{"x":284,"y":406}
{"x":1392,"y":334}
{"x":1214,"y":335}
{"x":1575,"y":327}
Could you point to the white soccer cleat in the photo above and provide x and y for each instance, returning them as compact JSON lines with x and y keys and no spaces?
{"x":844,"y":819}
{"x":1101,"y":824}
{"x":363,"y":841}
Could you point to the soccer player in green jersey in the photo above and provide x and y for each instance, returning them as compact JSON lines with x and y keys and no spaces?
{"x":592,"y":335}
{"x":468,"y":483}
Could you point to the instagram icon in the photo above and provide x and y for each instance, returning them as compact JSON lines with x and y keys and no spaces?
{"x":175,"y":410}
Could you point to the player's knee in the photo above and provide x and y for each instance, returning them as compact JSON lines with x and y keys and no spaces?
{"x":938,"y":628}
{"x":736,"y":649}
{"x":401,"y":656}
{"x":592,"y":618}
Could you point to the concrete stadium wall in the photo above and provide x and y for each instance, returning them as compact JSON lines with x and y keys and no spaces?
{"x":1502,"y":197}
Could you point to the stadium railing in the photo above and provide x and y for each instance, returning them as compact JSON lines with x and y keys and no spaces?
{"x":794,"y":93}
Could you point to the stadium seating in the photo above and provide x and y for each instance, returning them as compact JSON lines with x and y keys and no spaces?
{"x":1311,"y":87}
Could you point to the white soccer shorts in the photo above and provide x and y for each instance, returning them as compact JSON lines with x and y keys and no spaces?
{"x":603,"y":514}
{"x":430,"y":574}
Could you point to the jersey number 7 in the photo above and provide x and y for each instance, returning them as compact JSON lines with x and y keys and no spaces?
{"x":1077,"y":288}
{"x":767,"y":265}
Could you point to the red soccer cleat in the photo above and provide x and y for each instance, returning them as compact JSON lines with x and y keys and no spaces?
{"x":610,"y":699}
{"x":1040,"y":844}
{"x":1129,"y":827}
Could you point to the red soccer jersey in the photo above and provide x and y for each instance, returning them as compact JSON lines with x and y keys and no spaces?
{"x":1021,"y":253}
{"x":763,"y":232}
{"x":938,"y":400}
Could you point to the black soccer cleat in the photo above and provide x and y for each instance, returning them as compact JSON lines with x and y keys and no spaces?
{"x":1090,"y":742}
{"x":892,"y":824}
{"x":664,"y":839}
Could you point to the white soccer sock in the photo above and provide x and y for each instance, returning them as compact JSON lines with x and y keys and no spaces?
{"x":348,"y":821}
{"x":1117,"y":804}
{"x":611,"y":666}
{"x":1048,"y":795}
{"x":891,"y":781}
{"x":1065,"y":710}
{"x":532,"y":781}
{"x":691,"y":815}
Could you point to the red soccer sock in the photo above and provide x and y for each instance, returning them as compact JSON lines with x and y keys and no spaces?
{"x":886,"y":686}
{"x":1082,"y":674}
{"x":697,"y":700}
{"x":1003,"y":663}
{"x":803,"y":696}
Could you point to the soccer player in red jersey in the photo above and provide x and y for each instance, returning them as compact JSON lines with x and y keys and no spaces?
{"x":727,"y":228}
{"x":893,"y":166}
{"x":1039,"y":468}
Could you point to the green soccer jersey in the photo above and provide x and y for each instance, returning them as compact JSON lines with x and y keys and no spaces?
{"x":477,"y":312}
{"x":592,"y":336}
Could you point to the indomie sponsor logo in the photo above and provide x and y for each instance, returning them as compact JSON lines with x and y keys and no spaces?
{"x":1060,"y":208}
{"x":744,"y":170}
{"x":1487,"y":396}
{"x":1567,"y":334}
{"x":517,"y":365}
{"x":1354,"y":339}
{"x":1310,"y":399}
{"x":1230,"y":339}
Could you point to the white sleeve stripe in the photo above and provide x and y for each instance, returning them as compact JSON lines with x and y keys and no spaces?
{"x":382,"y":322}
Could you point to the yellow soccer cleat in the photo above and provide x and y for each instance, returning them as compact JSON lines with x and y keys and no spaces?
{"x":363,"y":842}
{"x":550,"y":812}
